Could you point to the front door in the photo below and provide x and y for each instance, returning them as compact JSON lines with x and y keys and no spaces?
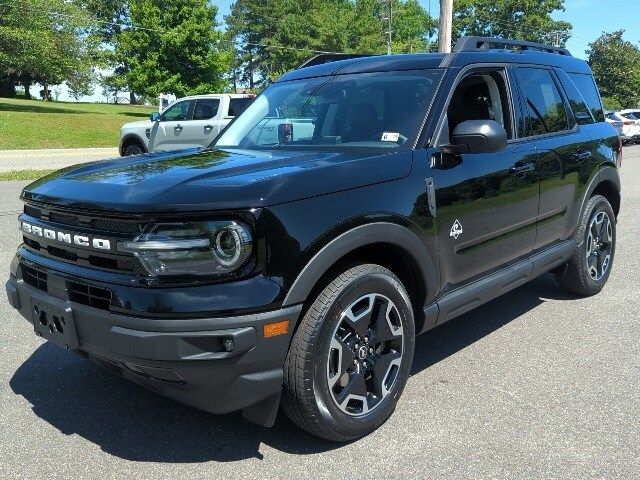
{"x":487,"y":203}
{"x":168,"y":133}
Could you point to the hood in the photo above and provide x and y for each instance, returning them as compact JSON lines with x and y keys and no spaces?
{"x":137,"y":125}
{"x":193,"y":180}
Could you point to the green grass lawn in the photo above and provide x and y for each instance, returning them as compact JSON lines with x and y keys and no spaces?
{"x":27,"y":124}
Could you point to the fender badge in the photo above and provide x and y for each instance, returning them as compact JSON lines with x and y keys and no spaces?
{"x":456,"y":229}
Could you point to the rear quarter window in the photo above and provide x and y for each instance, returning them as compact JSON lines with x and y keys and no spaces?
{"x":587,"y":87}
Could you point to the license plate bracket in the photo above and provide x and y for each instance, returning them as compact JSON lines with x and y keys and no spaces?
{"x":54,"y":323}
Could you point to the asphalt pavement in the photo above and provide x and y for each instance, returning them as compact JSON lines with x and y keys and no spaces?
{"x":537,"y":384}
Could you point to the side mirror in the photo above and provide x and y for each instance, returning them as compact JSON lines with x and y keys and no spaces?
{"x":478,"y":136}
{"x":285,"y":132}
{"x":154,"y":117}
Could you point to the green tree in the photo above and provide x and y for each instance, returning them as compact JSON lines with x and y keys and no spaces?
{"x":80,"y":83}
{"x":274,"y":36}
{"x":175,"y":48}
{"x":616,"y":65}
{"x":41,"y":41}
{"x":520,"y":19}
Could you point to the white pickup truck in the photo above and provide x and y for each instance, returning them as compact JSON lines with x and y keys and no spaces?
{"x":187,"y":123}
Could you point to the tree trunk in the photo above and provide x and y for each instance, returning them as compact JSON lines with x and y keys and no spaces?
{"x":26,"y":83}
{"x":251,"y":74}
{"x":132,"y":98}
{"x":47,"y":96}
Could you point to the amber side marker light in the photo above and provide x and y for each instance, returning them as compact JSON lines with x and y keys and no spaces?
{"x":276,"y":328}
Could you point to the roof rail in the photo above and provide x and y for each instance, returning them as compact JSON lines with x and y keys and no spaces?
{"x":332,"y":57}
{"x":473,"y":44}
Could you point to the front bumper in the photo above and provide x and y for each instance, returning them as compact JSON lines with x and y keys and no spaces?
{"x":186,"y":359}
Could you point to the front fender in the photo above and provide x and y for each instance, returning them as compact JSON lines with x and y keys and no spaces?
{"x":351,"y":240}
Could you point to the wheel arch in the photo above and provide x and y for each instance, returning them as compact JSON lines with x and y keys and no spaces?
{"x":607,"y":188}
{"x":130,"y":138}
{"x":387,"y":244}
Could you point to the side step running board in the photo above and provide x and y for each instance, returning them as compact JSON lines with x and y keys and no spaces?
{"x":466,"y":298}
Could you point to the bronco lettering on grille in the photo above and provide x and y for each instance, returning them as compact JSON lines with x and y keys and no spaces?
{"x":63,"y":237}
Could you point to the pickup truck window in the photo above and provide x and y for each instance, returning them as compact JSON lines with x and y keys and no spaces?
{"x":206,"y":108}
{"x":238,"y":105}
{"x":177,"y":112}
{"x":367,"y":110}
{"x":545,"y":111}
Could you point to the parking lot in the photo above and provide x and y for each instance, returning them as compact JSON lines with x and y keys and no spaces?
{"x":535,"y":384}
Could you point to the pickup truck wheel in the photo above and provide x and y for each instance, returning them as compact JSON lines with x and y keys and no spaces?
{"x":588,"y":269}
{"x":133,"y":149}
{"x":351,"y":355}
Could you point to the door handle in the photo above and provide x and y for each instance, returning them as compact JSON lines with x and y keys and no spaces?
{"x":521,"y":168}
{"x":582,"y":156}
{"x":178,"y":128}
{"x":208,"y":128}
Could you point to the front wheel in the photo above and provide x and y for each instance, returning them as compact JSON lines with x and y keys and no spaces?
{"x":588,"y":269}
{"x":133,"y":149}
{"x":351,"y":355}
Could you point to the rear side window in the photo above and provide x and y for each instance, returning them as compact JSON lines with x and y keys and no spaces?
{"x":238,"y":105}
{"x":545,"y":110}
{"x":587,"y":87}
{"x":206,"y":108}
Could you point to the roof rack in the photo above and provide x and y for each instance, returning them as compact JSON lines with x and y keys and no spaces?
{"x":473,"y":44}
{"x":331,"y":57}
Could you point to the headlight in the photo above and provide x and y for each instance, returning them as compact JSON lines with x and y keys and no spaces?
{"x":193,"y":248}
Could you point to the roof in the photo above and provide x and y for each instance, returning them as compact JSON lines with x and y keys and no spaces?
{"x":423,"y":61}
{"x":217,"y":95}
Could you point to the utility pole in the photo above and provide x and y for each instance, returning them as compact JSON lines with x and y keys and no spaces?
{"x":388,"y":16}
{"x":444,"y":31}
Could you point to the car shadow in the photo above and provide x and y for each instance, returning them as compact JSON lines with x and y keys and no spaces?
{"x":449,"y":338}
{"x":125,"y":420}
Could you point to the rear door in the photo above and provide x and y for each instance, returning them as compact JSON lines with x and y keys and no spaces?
{"x":565,"y":150}
{"x":205,"y":124}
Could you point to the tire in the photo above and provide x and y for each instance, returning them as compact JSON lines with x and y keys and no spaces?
{"x":133,"y":149}
{"x":320,"y":371}
{"x":578,"y":275}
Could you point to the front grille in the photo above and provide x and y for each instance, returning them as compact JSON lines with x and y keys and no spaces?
{"x":87,"y":295}
{"x":99,"y":224}
{"x":111,"y":228}
{"x":34,"y":277}
{"x":118,"y":263}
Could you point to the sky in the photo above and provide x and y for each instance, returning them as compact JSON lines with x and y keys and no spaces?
{"x":588,"y":17}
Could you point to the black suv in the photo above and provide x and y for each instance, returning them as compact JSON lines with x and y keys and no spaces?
{"x":356,"y":203}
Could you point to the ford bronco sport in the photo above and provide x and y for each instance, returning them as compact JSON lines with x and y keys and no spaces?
{"x":356,"y":203}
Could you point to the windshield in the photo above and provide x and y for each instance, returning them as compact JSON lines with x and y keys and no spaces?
{"x":380,"y":110}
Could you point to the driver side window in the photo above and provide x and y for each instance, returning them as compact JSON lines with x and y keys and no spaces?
{"x":177,"y":112}
{"x":479,"y":96}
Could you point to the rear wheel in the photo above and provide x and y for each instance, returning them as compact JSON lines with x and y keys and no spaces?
{"x":351,"y":355}
{"x":588,"y":269}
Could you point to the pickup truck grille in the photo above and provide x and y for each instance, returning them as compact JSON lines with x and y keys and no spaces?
{"x":114,"y":229}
